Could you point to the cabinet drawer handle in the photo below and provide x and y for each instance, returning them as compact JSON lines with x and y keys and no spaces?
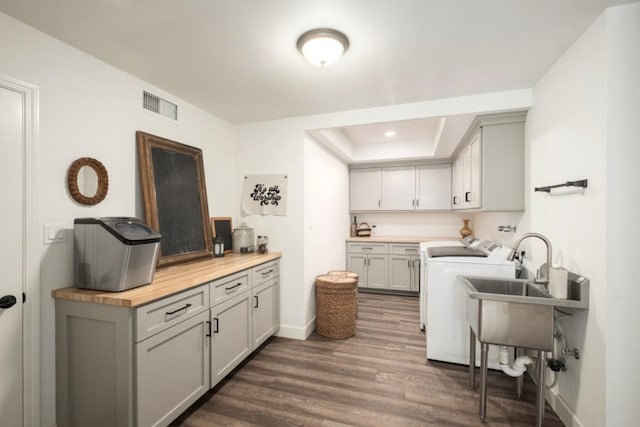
{"x":267,"y":272}
{"x":169,"y":313}
{"x":208,"y":333}
{"x":455,"y":200}
{"x":367,"y":249}
{"x":417,"y":203}
{"x":409,"y":263}
{"x":233,"y":287}
{"x":467,"y":196}
{"x":215,"y":329}
{"x":256,"y":301}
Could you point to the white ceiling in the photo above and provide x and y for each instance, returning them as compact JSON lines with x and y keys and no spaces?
{"x":238,"y":58}
{"x":406,"y":130}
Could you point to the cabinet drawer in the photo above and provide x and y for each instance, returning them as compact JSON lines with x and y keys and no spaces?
{"x":227,"y":287}
{"x":404,"y":249}
{"x":265,"y":272}
{"x":162,"y":314}
{"x":367,"y":248}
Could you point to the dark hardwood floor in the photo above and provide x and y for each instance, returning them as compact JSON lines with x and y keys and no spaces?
{"x":379,"y":377}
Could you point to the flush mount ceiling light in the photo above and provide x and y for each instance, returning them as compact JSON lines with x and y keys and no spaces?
{"x":390,"y":133}
{"x":322,"y":46}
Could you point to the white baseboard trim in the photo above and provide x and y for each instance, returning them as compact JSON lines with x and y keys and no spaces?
{"x":560,"y":406}
{"x":296,"y":332}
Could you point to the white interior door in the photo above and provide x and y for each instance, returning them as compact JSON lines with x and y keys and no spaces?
{"x":11,"y":261}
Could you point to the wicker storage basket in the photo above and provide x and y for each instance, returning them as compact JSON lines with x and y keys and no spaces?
{"x":336,"y":297}
{"x":345,"y":273}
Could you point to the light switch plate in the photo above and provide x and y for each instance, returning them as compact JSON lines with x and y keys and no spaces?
{"x":54,"y":233}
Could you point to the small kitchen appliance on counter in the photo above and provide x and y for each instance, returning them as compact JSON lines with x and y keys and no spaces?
{"x":244,"y":239}
{"x":114,"y":253}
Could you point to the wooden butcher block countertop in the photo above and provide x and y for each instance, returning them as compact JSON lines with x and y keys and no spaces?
{"x":170,"y":280}
{"x":395,"y":239}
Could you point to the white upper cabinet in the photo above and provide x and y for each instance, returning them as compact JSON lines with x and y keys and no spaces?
{"x":433,"y":187}
{"x":365,"y":191}
{"x":399,"y":188}
{"x":489,"y":168}
{"x":457,"y":186}
{"x":402,"y":188}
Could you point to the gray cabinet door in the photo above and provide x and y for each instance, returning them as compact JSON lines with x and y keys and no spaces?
{"x":433,"y":187}
{"x":231,"y":335}
{"x":265,"y":312}
{"x":400,"y":270}
{"x":378,"y":271}
{"x":172,"y":371}
{"x":365,"y":189}
{"x":358,"y":264}
{"x":415,"y":273}
{"x":399,"y":188}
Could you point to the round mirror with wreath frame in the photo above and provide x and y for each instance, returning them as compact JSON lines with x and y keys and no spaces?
{"x":74,"y":188}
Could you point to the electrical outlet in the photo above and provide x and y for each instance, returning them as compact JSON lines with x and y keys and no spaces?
{"x":54,"y":233}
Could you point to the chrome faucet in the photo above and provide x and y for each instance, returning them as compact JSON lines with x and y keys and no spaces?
{"x":546,"y":241}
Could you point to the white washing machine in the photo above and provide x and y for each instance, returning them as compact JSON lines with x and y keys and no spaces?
{"x":443,"y":297}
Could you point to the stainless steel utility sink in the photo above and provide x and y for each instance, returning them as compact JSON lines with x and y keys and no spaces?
{"x":518,"y":312}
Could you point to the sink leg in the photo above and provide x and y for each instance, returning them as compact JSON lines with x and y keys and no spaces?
{"x":540,"y":395}
{"x":519,"y":380}
{"x":484,"y":350}
{"x":472,"y":359}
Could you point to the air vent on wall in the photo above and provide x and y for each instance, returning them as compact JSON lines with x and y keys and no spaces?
{"x":159,"y":105}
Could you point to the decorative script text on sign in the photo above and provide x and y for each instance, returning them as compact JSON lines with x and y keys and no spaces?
{"x":266,"y":196}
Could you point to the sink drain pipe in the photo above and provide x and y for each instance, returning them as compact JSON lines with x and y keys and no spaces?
{"x":519,"y":365}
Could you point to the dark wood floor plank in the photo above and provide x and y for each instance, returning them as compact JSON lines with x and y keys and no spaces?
{"x":379,"y":377}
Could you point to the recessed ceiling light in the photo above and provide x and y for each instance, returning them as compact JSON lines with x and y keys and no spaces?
{"x":323,"y":46}
{"x":390,"y":133}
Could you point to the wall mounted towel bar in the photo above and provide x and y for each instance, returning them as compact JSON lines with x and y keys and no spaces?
{"x":580,"y":183}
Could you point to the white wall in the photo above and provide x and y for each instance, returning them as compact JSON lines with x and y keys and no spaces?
{"x":623,"y":213}
{"x":275,"y":148}
{"x":565,"y":133}
{"x":89,"y":108}
{"x":326,"y":206}
{"x":445,"y":225}
{"x":584,"y":124}
{"x":485,"y":226}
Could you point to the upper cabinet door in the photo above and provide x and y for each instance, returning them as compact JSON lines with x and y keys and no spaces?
{"x":476,"y":173}
{"x":457,"y":179}
{"x":366,"y":189}
{"x":433,"y":187}
{"x":399,"y":188}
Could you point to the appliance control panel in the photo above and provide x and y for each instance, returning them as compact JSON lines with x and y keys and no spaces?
{"x":489,"y":247}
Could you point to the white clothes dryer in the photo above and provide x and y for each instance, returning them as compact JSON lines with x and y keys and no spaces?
{"x":445,"y":299}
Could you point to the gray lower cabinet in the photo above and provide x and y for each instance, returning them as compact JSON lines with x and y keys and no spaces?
{"x":162,"y":391}
{"x":392,"y":266}
{"x":400,"y":272}
{"x":404,"y":267}
{"x":231,"y":335}
{"x":265,"y":311}
{"x":265,"y":301}
{"x":143,"y":366}
{"x":371,"y":262}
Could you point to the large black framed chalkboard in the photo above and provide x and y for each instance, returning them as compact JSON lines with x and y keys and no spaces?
{"x":175,"y":198}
